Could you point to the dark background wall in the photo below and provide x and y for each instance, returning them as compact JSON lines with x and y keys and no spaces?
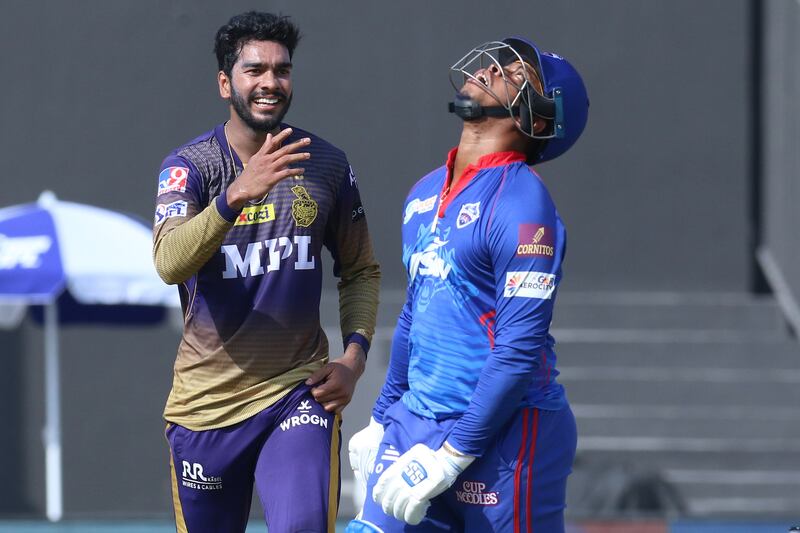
{"x":655,"y":195}
{"x":780,"y":161}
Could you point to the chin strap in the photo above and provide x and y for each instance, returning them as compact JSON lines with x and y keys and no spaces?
{"x":469,"y":109}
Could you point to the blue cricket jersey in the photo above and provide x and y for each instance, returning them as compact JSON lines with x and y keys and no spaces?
{"x":483,"y":263}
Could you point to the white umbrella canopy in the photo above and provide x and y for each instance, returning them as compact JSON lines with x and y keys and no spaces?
{"x":97,"y":256}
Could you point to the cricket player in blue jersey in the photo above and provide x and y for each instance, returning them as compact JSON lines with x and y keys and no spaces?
{"x":471,"y":431}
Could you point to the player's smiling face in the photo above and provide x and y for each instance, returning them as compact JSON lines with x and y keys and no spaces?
{"x":260,"y":87}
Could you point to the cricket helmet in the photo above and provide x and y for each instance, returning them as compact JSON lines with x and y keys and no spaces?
{"x":564,"y":104}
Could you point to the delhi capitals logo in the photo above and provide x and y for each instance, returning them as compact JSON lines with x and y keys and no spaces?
{"x":469,"y":213}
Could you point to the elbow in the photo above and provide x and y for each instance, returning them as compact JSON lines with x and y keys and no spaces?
{"x":168,"y":274}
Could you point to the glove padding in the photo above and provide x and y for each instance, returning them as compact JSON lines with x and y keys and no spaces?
{"x":405,"y":489}
{"x":363,"y":449}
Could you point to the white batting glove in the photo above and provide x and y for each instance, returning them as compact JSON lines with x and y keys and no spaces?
{"x":405,"y":489}
{"x":362,"y":449}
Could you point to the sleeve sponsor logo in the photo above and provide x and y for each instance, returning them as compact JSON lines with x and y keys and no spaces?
{"x":529,"y":284}
{"x":536,"y":240}
{"x":165,"y":211}
{"x":352,"y":173}
{"x":468,"y":214}
{"x":256,"y":214}
{"x":172,"y":179}
{"x":417,"y":207}
{"x":358,"y":212}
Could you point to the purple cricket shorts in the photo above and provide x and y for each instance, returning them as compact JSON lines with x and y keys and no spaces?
{"x":290,"y":450}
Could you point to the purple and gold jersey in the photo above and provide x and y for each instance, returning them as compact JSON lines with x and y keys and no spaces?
{"x":252,"y":329}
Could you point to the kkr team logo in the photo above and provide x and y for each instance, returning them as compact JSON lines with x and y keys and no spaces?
{"x":538,"y":285}
{"x":194,"y":477}
{"x":535,"y":240}
{"x":469,"y":213}
{"x":304,"y":208}
{"x":165,"y":211}
{"x":172,"y":179}
{"x":256,"y":214}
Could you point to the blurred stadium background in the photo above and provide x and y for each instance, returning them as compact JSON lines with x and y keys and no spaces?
{"x":677,"y":321}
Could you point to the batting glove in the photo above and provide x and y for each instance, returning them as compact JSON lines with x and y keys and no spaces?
{"x":405,"y":489}
{"x":363,"y":448}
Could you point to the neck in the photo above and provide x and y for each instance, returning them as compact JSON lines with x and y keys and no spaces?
{"x":244,"y":140}
{"x":482,"y":137}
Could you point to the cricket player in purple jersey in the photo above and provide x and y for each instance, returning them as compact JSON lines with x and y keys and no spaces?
{"x":471,"y":431}
{"x":243,"y":212}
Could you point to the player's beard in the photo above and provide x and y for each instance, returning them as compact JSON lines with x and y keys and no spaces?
{"x":241,"y":106}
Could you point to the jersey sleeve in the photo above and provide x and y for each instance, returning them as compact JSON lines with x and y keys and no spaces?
{"x":396,"y":382}
{"x":188,"y":229}
{"x":347,"y":238}
{"x":526,"y":243}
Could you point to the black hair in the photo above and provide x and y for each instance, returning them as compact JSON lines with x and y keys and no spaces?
{"x":252,"y":26}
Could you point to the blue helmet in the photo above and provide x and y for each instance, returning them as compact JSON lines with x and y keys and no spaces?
{"x":563,"y":103}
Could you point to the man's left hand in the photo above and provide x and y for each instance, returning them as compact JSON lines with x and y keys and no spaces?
{"x":406,"y":488}
{"x":334,"y":383}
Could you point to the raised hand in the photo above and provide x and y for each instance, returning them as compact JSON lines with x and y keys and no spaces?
{"x":266,"y":168}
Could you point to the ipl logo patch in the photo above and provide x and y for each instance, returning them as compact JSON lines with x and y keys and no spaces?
{"x":304,"y":208}
{"x":469,"y":213}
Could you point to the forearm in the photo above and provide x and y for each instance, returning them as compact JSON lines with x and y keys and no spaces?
{"x":502,"y":385}
{"x":396,"y":382}
{"x":182,"y":251}
{"x":358,"y":300}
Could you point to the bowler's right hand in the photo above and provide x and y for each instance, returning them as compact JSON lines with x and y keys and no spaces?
{"x":266,"y":168}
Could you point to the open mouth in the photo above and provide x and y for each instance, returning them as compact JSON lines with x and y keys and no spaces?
{"x":483,"y":79}
{"x":266,"y":102}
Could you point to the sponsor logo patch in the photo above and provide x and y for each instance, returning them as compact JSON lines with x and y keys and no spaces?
{"x":417,"y":207}
{"x":276,"y":251}
{"x":304,"y":418}
{"x":468,"y":214}
{"x":194,"y":477}
{"x":165,"y":211}
{"x":428,"y":262}
{"x":256,"y":214}
{"x":353,"y":182}
{"x":414,"y":473}
{"x":304,"y":208}
{"x":536,"y":240}
{"x":530,"y":285}
{"x":172,"y":179}
{"x":474,"y":493}
{"x":358,"y":212}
